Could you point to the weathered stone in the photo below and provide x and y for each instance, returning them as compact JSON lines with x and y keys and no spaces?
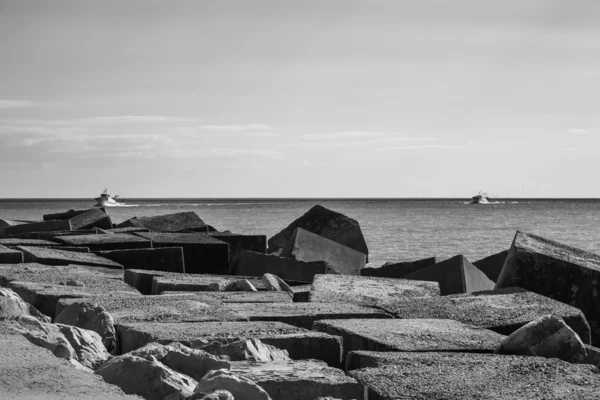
{"x":365,"y":290}
{"x":31,"y":372}
{"x":301,"y":293}
{"x":237,"y":243}
{"x":48,"y":274}
{"x":12,"y":242}
{"x":299,"y":343}
{"x":5,"y":222}
{"x":410,"y":335}
{"x":239,"y":285}
{"x":202,"y":254}
{"x":239,"y":386}
{"x":561,"y":272}
{"x":45,"y":297}
{"x":216,"y":395}
{"x":87,"y":344}
{"x":501,"y":312}
{"x":162,"y":282}
{"x":44,"y":334}
{"x":492,"y":265}
{"x":548,"y":337}
{"x":56,"y":225}
{"x":592,"y":356}
{"x":458,"y":376}
{"x":239,"y":297}
{"x":12,"y":306}
{"x":92,"y":218}
{"x":168,"y":259}
{"x":250,"y":263}
{"x":399,"y":269}
{"x":116,"y":241}
{"x":299,"y":380}
{"x":54,"y":256}
{"x":455,"y":275}
{"x":309,"y":247}
{"x":69,"y":214}
{"x":187,"y":220}
{"x":246,"y":350}
{"x":90,"y":316}
{"x":50,"y":235}
{"x":10,"y":256}
{"x":127,"y":230}
{"x":327,"y":223}
{"x":273,"y":282}
{"x":149,"y":379}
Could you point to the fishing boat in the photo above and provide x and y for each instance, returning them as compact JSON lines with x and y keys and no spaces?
{"x":106,"y":200}
{"x":481,"y":198}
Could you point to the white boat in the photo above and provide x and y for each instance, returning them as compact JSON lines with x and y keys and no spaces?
{"x":481,"y":198}
{"x":106,"y":200}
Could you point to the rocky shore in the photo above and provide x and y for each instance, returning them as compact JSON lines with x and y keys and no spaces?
{"x":170,"y":307}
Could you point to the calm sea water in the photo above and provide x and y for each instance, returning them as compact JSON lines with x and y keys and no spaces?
{"x":395,"y":230}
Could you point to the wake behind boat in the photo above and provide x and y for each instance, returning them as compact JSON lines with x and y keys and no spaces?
{"x":106,"y":200}
{"x":481,"y":198}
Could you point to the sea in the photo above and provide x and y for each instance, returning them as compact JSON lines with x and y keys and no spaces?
{"x":394,"y":229}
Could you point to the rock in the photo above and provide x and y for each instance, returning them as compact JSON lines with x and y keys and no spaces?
{"x":92,"y":218}
{"x":239,"y":386}
{"x":237,"y":243}
{"x":12,"y":305}
{"x":91,"y":353}
{"x":56,"y":256}
{"x":547,"y":337}
{"x":492,"y":265}
{"x":105,"y":242}
{"x":217,"y":286}
{"x":455,"y":275}
{"x":250,"y":263}
{"x":301,"y":293}
{"x":241,"y":285}
{"x":11,"y":242}
{"x":216,"y":395}
{"x":552,"y":269}
{"x":247,"y":350}
{"x":299,"y":380}
{"x":10,"y":256}
{"x":273,"y":282}
{"x":309,"y":247}
{"x":46,"y":335}
{"x":327,"y":223}
{"x":45,"y":226}
{"x":69,"y":214}
{"x":260,"y":296}
{"x":187,"y":220}
{"x":149,"y":379}
{"x":399,"y":269}
{"x":164,"y":259}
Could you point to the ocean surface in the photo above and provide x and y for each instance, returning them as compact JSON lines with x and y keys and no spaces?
{"x":395,"y":229}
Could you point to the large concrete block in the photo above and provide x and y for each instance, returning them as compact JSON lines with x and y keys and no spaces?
{"x":237,"y":243}
{"x":492,"y":265}
{"x":10,"y":256}
{"x":6,"y":222}
{"x":57,"y":225}
{"x":411,"y":335}
{"x":299,"y":380}
{"x":399,"y":269}
{"x":561,"y":272}
{"x":196,"y":283}
{"x":54,"y":256}
{"x":309,"y":247}
{"x":50,"y":235}
{"x":48,"y":274}
{"x":262,"y":296}
{"x":69,"y":214}
{"x":202,"y":254}
{"x":168,"y":259}
{"x":106,"y":242}
{"x":31,"y":372}
{"x":458,"y":376}
{"x":127,"y":230}
{"x":501,"y":312}
{"x":11,"y":242}
{"x":302,"y":314}
{"x":327,"y":223}
{"x":300,"y":343}
{"x":455,"y":275}
{"x":367,"y":290}
{"x":251,"y":263}
{"x":187,"y":220}
{"x":93,"y":218}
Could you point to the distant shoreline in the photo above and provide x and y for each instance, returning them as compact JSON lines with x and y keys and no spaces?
{"x":39,"y":199}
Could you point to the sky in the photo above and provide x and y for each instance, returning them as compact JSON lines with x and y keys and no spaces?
{"x":313,"y":98}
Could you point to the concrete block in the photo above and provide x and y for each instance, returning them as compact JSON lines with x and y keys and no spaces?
{"x":168,"y":259}
{"x":368,"y":291}
{"x":552,"y":269}
{"x":48,"y":274}
{"x":593,"y":356}
{"x":93,"y":218}
{"x":302,"y":314}
{"x":127,"y":230}
{"x":69,"y":214}
{"x":458,"y":376}
{"x":54,"y":256}
{"x":327,"y":223}
{"x":411,"y":335}
{"x":57,"y":225}
{"x":167,"y":222}
{"x":301,"y":293}
{"x":251,"y":263}
{"x":455,"y":275}
{"x":299,"y":380}
{"x":237,"y":243}
{"x":503,"y":313}
{"x":10,"y":242}
{"x":117,"y":241}
{"x":492,"y":265}
{"x":50,"y":235}
{"x":10,"y":256}
{"x":399,"y":269}
{"x":202,"y":254}
{"x":196,"y":283}
{"x":28,"y":371}
{"x":263,"y":296}
{"x":308,"y":247}
{"x":5,"y":222}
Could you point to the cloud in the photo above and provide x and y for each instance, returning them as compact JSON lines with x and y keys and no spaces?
{"x":221,"y":152}
{"x":405,"y":139}
{"x":16,"y":104}
{"x":446,"y":147}
{"x":347,"y":134}
{"x":578,"y":131}
{"x":126,"y":119}
{"x":322,"y":144}
{"x":236,"y":128}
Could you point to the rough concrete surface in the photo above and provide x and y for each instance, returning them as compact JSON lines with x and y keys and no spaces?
{"x":55,"y":256}
{"x":10,"y":256}
{"x":168,"y":259}
{"x":492,"y":265}
{"x":48,"y":274}
{"x":105,"y":242}
{"x":399,"y":269}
